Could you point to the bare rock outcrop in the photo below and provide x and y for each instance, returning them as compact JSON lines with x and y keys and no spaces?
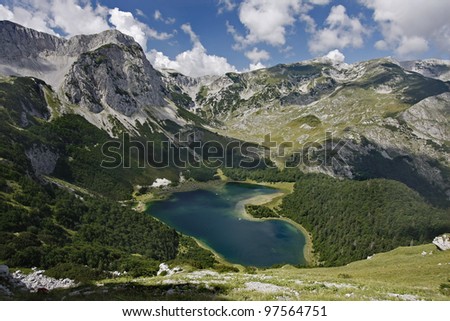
{"x":442,"y":242}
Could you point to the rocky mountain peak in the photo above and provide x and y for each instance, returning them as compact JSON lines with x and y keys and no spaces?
{"x":116,"y":76}
{"x":434,"y":68}
{"x":27,"y":52}
{"x":84,"y":43}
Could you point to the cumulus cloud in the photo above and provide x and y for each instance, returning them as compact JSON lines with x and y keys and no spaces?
{"x":74,"y":17}
{"x":35,"y":19}
{"x":266,"y":21}
{"x":125,"y":22}
{"x":5,"y":13}
{"x":413,"y":44}
{"x":141,"y":13}
{"x":159,"y":17}
{"x":341,"y":31}
{"x":309,"y":21}
{"x":225,"y":5}
{"x":161,"y":61}
{"x":334,"y":56}
{"x":256,"y":66}
{"x":320,"y":2}
{"x":239,"y":39}
{"x":411,"y":26}
{"x":255,"y":55}
{"x":70,"y":16}
{"x":194,"y":62}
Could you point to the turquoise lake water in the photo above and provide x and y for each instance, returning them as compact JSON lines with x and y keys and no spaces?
{"x":215,"y":218}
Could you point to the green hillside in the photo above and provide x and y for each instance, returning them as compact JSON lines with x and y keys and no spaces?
{"x":407,"y":273}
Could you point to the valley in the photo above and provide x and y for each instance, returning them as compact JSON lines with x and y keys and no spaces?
{"x":360,"y":152}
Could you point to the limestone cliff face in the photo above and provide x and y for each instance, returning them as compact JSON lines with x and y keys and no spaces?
{"x":104,"y":77}
{"x":115,"y":76}
{"x":434,"y":68}
{"x":430,"y":118}
{"x":27,"y":52}
{"x":106,"y":69}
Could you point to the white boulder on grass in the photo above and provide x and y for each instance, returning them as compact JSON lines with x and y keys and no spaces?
{"x":161,"y":182}
{"x":442,"y":242}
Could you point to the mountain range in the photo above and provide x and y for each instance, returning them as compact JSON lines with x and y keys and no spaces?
{"x":62,"y":101}
{"x":393,"y":116}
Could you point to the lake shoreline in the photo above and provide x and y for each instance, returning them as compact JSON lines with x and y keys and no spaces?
{"x":264,"y":200}
{"x":269,"y":200}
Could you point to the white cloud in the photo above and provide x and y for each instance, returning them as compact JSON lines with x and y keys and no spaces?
{"x":410,"y":45}
{"x":141,"y":13}
{"x":239,"y":39}
{"x":334,"y":56}
{"x":381,"y":45}
{"x":341,"y":31}
{"x":159,"y":17}
{"x":255,"y":67}
{"x":255,"y":55}
{"x":126,"y":23}
{"x":161,"y":61}
{"x":188,"y":30}
{"x":411,"y":26}
{"x":5,"y":13}
{"x":266,"y":20}
{"x":309,"y":21}
{"x":74,"y":17}
{"x":226,"y":5}
{"x":71,"y":16}
{"x":195,"y":62}
{"x":319,"y":2}
{"x":35,"y":19}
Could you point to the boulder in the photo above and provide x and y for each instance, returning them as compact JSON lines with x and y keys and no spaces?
{"x":442,"y":242}
{"x":4,"y":271}
{"x":164,"y":269}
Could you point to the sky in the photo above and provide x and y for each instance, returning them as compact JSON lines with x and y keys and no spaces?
{"x":199,"y":37}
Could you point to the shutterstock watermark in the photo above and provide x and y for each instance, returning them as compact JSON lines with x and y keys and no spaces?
{"x":191,"y":151}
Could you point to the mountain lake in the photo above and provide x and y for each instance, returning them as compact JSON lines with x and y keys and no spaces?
{"x":217,"y":219}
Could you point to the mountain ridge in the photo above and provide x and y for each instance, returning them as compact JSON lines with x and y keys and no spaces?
{"x":376,"y":107}
{"x":62,"y":100}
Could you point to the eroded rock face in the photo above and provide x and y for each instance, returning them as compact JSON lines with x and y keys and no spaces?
{"x":430,"y":118}
{"x":105,"y":70}
{"x":27,"y":52}
{"x":42,"y":159}
{"x":115,"y":76}
{"x":434,"y":68}
{"x":442,"y":242}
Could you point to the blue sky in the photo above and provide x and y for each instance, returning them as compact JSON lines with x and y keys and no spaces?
{"x":198,"y":37}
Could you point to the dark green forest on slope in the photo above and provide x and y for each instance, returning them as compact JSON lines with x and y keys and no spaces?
{"x":87,"y":232}
{"x":350,"y":220}
{"x":78,"y":230}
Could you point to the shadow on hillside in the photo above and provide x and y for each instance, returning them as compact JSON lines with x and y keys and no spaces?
{"x":131,"y":292}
